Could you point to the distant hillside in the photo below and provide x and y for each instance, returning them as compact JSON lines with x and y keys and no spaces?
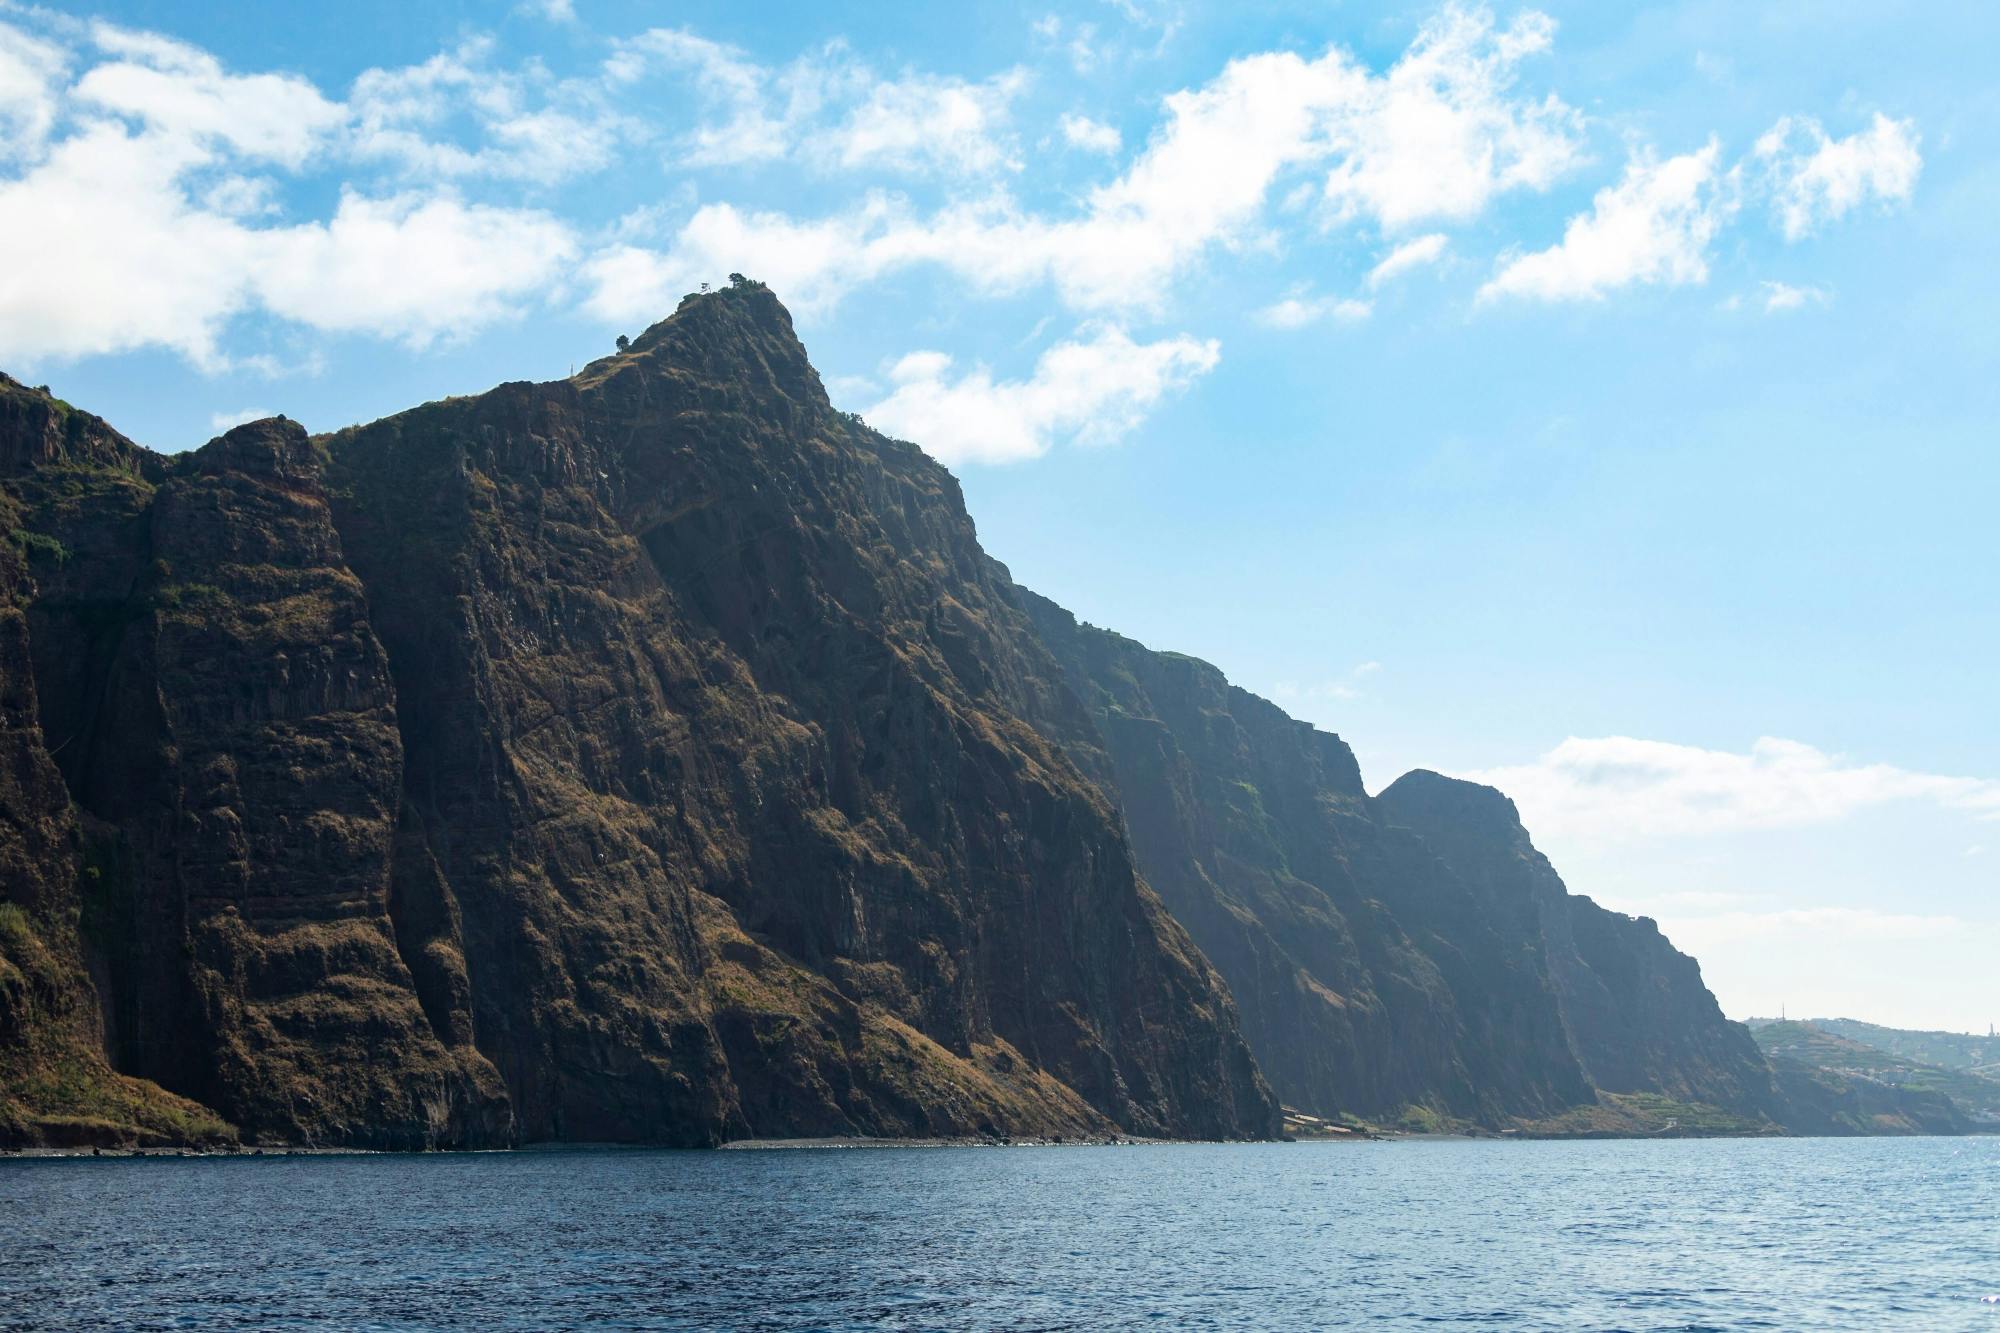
{"x":1948,"y":1050}
{"x":1815,"y":1044}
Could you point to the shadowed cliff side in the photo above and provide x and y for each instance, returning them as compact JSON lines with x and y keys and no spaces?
{"x":1413,"y":957}
{"x":1638,"y":1015}
{"x":1372,"y":979}
{"x":56,"y":1086}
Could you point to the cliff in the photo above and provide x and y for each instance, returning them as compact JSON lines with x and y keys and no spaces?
{"x":652,"y":755}
{"x":1405,"y":957}
{"x":57,"y":1086}
{"x":655,"y":756}
{"x":1638,"y":1016}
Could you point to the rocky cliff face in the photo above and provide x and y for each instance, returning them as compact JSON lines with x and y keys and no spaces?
{"x":56,"y":1085}
{"x":652,"y":755}
{"x":1638,"y":1016}
{"x":1411,"y":951}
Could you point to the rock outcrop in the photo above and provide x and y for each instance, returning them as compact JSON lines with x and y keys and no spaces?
{"x":648,"y":756}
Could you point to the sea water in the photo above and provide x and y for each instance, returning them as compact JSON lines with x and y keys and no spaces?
{"x":1682,"y":1234}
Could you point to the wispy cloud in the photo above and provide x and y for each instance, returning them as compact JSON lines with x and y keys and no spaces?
{"x":1092,"y":136}
{"x":555,"y":11}
{"x":1781,"y":296}
{"x":421,"y":203}
{"x":1654,"y":226}
{"x":223,"y":421}
{"x":1438,"y":135}
{"x":1339,"y":689}
{"x":1299,"y":311}
{"x":1418,"y":253}
{"x":1092,"y":389}
{"x":1617,"y":788}
{"x":1658,"y":224}
{"x":1818,"y":179}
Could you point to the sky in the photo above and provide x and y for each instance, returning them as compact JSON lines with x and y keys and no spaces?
{"x":1595,"y":400}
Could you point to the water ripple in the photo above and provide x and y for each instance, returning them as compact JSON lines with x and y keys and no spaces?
{"x":1793,"y":1234}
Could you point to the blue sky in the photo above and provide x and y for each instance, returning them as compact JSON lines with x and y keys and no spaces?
{"x":1598,"y":399}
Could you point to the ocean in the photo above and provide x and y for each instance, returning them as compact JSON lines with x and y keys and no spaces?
{"x":1655,"y":1234}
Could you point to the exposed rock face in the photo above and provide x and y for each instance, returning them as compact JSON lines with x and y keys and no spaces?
{"x":655,"y":755}
{"x":1639,"y":1017}
{"x":1410,"y":950}
{"x":56,"y":1086}
{"x":652,"y":756}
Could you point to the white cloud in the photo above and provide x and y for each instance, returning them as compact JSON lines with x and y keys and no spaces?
{"x":29,"y":71}
{"x":1410,"y":254}
{"x":1202,"y":182}
{"x":742,"y":125}
{"x":850,"y":388}
{"x":1654,"y":226}
{"x":1298,"y":311}
{"x":827,"y":109}
{"x":198,"y":158}
{"x":1441,"y":134}
{"x":222,"y":422}
{"x":1615,"y":787}
{"x":812,"y":263}
{"x":409,"y":267}
{"x":1093,"y":390}
{"x":163,"y":270}
{"x":155,"y":271}
{"x":1816,"y":179}
{"x":555,"y":11}
{"x":183,"y":95}
{"x":1092,"y":136}
{"x":1780,"y":296}
{"x":141,"y":220}
{"x":929,"y":123}
{"x":530,"y":127}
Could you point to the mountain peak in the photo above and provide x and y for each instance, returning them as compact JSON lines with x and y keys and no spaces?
{"x":1435,"y":798}
{"x":741,"y":332}
{"x":273,"y":447}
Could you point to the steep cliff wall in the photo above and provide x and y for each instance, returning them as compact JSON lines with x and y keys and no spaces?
{"x":1638,"y":1015}
{"x":56,"y":1085}
{"x":1410,"y":950}
{"x":644,"y":756}
{"x":654,"y":755}
{"x":1371,"y":977}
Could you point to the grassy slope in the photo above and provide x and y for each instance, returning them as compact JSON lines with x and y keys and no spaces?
{"x":1947,"y":1050}
{"x":1813,"y":1044}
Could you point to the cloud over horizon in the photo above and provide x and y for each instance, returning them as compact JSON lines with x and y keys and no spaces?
{"x":1620,"y":788}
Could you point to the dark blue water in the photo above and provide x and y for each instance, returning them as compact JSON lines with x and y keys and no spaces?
{"x":1788,"y":1234}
